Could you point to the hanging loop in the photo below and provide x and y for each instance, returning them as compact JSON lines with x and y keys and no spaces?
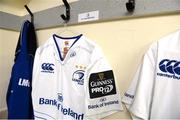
{"x":130,"y":5}
{"x":66,"y":17}
{"x":31,"y":14}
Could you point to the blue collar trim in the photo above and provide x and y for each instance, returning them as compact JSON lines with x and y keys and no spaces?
{"x":65,"y":38}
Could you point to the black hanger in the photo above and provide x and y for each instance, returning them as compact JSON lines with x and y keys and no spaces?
{"x":31,"y":14}
{"x":66,"y":17}
{"x":130,"y":5}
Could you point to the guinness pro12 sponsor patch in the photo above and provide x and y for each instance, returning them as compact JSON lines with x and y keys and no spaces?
{"x":102,"y":84}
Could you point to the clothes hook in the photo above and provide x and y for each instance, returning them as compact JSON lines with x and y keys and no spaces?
{"x":31,"y":14}
{"x":130,"y":5}
{"x":66,"y":17}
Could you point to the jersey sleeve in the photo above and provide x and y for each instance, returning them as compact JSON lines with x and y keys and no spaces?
{"x":36,"y":64}
{"x":34,"y":75}
{"x":129,"y":94}
{"x":138,"y":97}
{"x":102,"y":97}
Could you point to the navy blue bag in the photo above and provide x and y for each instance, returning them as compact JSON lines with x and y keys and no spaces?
{"x":19,"y":101}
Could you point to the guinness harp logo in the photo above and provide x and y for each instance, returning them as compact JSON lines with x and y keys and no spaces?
{"x":101,"y":76}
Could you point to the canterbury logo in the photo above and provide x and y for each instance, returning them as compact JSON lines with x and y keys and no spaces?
{"x":170,"y":66}
{"x":47,"y":67}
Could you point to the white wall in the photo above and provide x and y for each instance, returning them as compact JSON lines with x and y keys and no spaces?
{"x":16,"y":7}
{"x":8,"y":40}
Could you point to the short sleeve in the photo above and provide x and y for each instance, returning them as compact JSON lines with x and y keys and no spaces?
{"x":138,"y":97}
{"x":36,"y":62}
{"x":102,"y":97}
{"x":129,"y":94}
{"x":35,"y":70}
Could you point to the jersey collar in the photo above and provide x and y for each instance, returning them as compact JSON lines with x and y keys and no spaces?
{"x":75,"y":44}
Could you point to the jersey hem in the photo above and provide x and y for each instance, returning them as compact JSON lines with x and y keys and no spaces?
{"x":103,"y":114}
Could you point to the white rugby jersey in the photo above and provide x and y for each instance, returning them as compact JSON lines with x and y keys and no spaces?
{"x":73,"y":80}
{"x":154,"y":92}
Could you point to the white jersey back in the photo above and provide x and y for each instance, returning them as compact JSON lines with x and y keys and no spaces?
{"x":73,"y":80}
{"x":154,"y":92}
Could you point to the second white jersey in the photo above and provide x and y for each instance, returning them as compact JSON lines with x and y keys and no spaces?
{"x":73,"y":80}
{"x":154,"y":92}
